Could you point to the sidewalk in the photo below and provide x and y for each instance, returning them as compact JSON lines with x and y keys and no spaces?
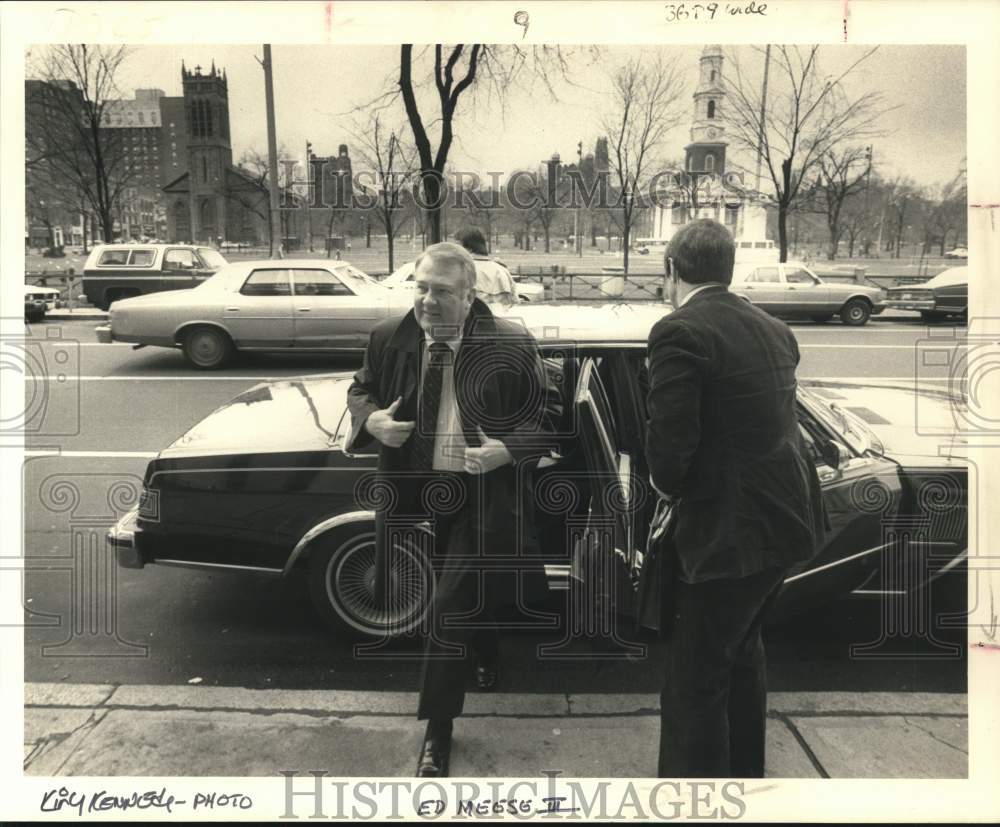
{"x":104,"y":730}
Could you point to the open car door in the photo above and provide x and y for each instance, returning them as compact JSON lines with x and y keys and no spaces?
{"x":601,"y":582}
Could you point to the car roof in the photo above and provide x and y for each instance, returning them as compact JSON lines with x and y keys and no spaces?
{"x":592,"y":323}
{"x":953,"y":275}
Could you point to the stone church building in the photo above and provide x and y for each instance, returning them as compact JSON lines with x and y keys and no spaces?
{"x":214,"y":200}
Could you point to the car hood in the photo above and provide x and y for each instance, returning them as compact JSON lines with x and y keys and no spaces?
{"x":916,"y":426}
{"x":292,"y":415}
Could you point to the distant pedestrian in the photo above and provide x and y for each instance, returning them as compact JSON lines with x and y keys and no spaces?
{"x":494,"y":283}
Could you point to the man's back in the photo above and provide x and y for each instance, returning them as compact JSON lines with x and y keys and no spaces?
{"x":724,"y":437}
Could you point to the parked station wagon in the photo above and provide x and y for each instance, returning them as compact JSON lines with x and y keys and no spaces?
{"x":118,"y":271}
{"x":264,"y":483}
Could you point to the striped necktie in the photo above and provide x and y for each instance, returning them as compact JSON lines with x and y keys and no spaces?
{"x":422,"y":456}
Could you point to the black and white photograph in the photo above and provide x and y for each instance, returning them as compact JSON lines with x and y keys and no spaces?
{"x":592,"y":421}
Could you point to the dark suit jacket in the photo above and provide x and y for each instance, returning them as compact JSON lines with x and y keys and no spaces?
{"x":723,"y":437}
{"x":500,"y":386}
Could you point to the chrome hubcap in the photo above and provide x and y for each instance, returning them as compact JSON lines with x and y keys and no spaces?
{"x":350,"y":586}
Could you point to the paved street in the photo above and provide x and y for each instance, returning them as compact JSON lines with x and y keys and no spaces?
{"x":120,"y":406}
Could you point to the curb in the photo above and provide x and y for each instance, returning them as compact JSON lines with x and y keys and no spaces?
{"x":69,"y":316}
{"x":318,"y":702}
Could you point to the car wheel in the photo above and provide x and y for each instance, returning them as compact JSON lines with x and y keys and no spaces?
{"x":823,"y":318}
{"x":856,"y":312}
{"x":931,"y":316}
{"x":207,"y":348}
{"x":342,"y":587}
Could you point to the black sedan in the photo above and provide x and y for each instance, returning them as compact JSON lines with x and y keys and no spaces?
{"x":264,"y":484}
{"x":946,"y":295}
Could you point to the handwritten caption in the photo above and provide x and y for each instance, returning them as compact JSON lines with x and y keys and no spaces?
{"x":708,"y":11}
{"x":493,"y":807}
{"x":65,"y":800}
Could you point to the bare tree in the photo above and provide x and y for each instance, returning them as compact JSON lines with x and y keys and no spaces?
{"x":71,"y":137}
{"x":901,"y":195}
{"x":842,"y":173}
{"x":644,"y":108}
{"x":392,"y":161}
{"x":253,"y":164}
{"x":455,"y":71}
{"x":807,"y":115}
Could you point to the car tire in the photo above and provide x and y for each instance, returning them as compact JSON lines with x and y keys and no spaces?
{"x":856,"y":312}
{"x":207,"y":348}
{"x":341,"y":577}
{"x":931,"y":316}
{"x":822,"y":318}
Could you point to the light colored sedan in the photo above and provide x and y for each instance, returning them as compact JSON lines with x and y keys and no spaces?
{"x":284,"y":305}
{"x":401,"y":280}
{"x":792,"y":289}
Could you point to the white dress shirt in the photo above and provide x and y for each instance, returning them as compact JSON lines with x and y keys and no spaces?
{"x":698,"y":289}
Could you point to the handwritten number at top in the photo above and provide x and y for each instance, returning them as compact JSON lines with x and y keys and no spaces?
{"x":707,"y":11}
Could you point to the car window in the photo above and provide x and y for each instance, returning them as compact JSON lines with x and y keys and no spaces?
{"x":768,"y":275}
{"x":266,"y":283}
{"x":212,"y":258}
{"x":179,"y":260}
{"x":797,"y":275}
{"x":318,"y":283}
{"x":113,"y":257}
{"x":142,"y":258}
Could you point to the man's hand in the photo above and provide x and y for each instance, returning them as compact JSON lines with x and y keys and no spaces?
{"x":382,"y":426}
{"x":488,"y":456}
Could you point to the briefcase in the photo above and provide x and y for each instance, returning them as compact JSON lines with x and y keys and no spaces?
{"x":657,"y":567}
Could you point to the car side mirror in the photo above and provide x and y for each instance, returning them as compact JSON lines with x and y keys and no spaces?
{"x":835,"y":454}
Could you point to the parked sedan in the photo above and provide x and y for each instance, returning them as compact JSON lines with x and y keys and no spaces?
{"x":264,"y":483}
{"x":273,"y":305}
{"x":947,"y":294}
{"x":401,"y":280}
{"x":792,"y":289}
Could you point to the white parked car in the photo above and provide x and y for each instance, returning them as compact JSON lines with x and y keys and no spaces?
{"x":281,"y":305}
{"x":792,"y":289}
{"x":401,"y":280}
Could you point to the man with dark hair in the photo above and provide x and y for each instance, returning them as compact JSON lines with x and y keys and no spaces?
{"x":723,"y":445}
{"x":460,"y":408}
{"x":494,"y":283}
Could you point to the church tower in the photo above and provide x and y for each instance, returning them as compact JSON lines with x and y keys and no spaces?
{"x":707,"y":151}
{"x":210,"y":155}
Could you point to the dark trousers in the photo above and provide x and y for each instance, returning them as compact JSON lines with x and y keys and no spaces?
{"x":713,"y":707}
{"x":463,"y":602}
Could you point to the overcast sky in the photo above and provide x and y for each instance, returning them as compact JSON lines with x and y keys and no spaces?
{"x":925,"y":132}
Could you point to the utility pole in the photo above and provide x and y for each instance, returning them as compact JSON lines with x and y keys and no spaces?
{"x":868,"y":183}
{"x":272,"y":153}
{"x":307,"y":201}
{"x":577,"y":224}
{"x":763,"y":106}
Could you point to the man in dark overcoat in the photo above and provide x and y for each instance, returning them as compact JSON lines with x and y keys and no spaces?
{"x":460,"y":407}
{"x":723,"y":443}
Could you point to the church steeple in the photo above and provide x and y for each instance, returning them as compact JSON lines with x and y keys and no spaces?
{"x":707,"y":150}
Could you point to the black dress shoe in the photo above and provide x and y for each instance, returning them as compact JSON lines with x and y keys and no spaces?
{"x":487,"y":675}
{"x":434,"y":754}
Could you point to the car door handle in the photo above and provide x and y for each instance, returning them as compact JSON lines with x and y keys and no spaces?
{"x":232,"y":310}
{"x":303,"y":309}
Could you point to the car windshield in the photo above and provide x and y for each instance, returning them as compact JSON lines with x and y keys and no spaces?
{"x":213,"y":258}
{"x":355,"y":277}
